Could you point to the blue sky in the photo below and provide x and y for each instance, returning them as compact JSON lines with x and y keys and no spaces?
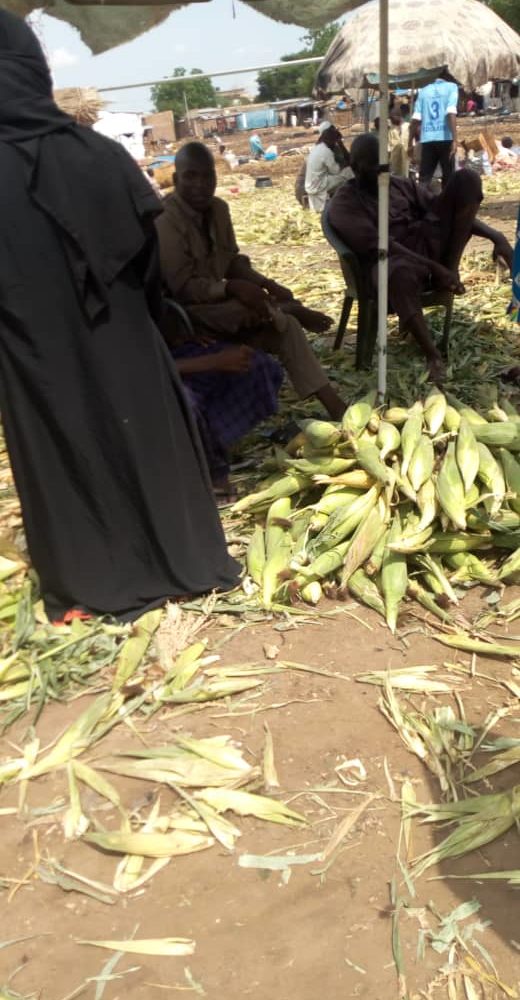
{"x":204,"y":35}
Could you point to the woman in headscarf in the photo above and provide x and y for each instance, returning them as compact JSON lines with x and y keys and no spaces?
{"x":116,"y":499}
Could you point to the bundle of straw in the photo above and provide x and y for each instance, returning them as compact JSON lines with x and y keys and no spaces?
{"x":82,"y":103}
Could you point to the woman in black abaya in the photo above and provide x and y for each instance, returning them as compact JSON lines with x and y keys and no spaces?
{"x":116,"y":501}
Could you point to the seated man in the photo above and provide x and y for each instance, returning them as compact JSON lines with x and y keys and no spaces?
{"x":428,"y":235}
{"x":327,"y":166}
{"x":222,"y":294}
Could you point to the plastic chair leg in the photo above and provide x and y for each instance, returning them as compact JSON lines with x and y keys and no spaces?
{"x":447,"y":327}
{"x":348,"y":302}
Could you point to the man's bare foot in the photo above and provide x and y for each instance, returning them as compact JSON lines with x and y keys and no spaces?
{"x":333,"y":403}
{"x":310,"y":319}
{"x":436,"y":370}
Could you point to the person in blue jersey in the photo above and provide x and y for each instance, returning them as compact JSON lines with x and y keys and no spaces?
{"x":434,"y":124}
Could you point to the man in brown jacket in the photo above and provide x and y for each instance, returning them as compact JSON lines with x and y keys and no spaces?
{"x":222,"y":293}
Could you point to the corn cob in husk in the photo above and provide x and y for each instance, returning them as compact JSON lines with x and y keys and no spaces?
{"x":439,"y":472}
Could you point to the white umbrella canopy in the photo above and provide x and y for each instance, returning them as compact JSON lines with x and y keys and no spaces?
{"x":464,"y":35}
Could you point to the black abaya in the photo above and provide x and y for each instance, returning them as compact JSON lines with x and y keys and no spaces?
{"x":115,"y":496}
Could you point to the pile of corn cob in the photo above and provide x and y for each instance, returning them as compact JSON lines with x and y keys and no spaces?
{"x":390,"y":504}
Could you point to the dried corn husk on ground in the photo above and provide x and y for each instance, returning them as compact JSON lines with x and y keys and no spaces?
{"x":85,"y":104}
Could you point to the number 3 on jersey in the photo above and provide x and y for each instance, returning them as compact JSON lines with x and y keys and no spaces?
{"x":435,"y":110}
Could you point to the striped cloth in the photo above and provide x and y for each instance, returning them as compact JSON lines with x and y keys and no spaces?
{"x":514,"y":308}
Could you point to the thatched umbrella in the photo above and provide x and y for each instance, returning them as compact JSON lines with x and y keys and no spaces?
{"x":464,"y":35}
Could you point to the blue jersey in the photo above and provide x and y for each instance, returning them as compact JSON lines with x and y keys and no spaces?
{"x":434,"y":103}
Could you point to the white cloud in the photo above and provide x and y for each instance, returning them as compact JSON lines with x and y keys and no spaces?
{"x":62,"y":57}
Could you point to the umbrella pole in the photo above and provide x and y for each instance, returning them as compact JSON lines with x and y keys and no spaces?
{"x":384,"y":202}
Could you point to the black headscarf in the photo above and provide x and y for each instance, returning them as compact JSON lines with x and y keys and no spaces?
{"x":88,"y":185}
{"x":26,"y":105}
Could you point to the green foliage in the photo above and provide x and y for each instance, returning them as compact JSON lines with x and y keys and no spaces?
{"x":509,"y":10}
{"x":282,"y":84}
{"x":170,"y":96}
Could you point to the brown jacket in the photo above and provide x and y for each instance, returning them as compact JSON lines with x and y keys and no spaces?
{"x":196,"y":250}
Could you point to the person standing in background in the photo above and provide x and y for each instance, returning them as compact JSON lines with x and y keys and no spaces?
{"x":434,"y":123}
{"x":327,"y":166}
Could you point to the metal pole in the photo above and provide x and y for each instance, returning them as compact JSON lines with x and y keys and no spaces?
{"x":216,"y":72}
{"x":384,"y":203}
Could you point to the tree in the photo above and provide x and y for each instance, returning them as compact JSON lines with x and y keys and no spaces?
{"x":282,"y":84}
{"x":170,"y":96}
{"x":509,"y":10}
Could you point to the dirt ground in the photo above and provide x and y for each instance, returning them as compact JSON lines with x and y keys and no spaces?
{"x":258,"y":935}
{"x":255,"y":935}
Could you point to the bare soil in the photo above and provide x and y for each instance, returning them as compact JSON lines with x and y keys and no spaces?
{"x":256,"y":936}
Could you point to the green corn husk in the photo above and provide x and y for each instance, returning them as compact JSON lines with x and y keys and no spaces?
{"x":510,"y":570}
{"x":512,"y":474}
{"x":255,"y":555}
{"x":369,"y":458}
{"x":311,"y":592}
{"x":432,"y":582}
{"x":364,"y":541}
{"x":150,"y":845}
{"x":428,"y":601}
{"x":404,"y":484}
{"x":356,"y":479}
{"x":496,"y":414}
{"x":365,"y":590}
{"x":498,"y":435}
{"x":319,"y":465}
{"x":435,"y":411}
{"x":285,"y":487}
{"x":278,"y":548}
{"x":450,"y":489}
{"x":374,"y":563}
{"x":452,"y":419}
{"x":506,"y":405}
{"x":321,"y":434}
{"x":135,"y":647}
{"x":499,"y":763}
{"x":410,"y":437}
{"x":397,"y":415}
{"x":450,"y":542}
{"x":470,"y":567}
{"x":342,"y":523}
{"x":480,"y":821}
{"x":357,"y":415}
{"x":409,"y":543}
{"x":388,"y":439}
{"x":317,"y":523}
{"x":327,"y":563}
{"x":300,"y":524}
{"x":247,"y":804}
{"x":468,"y":458}
{"x":491,"y":474}
{"x":427,"y":504}
{"x":463,"y":641}
{"x":472,"y":497}
{"x":394,"y":576}
{"x":474,"y":418}
{"x":434,"y":567}
{"x":330,"y":502}
{"x":421,"y":463}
